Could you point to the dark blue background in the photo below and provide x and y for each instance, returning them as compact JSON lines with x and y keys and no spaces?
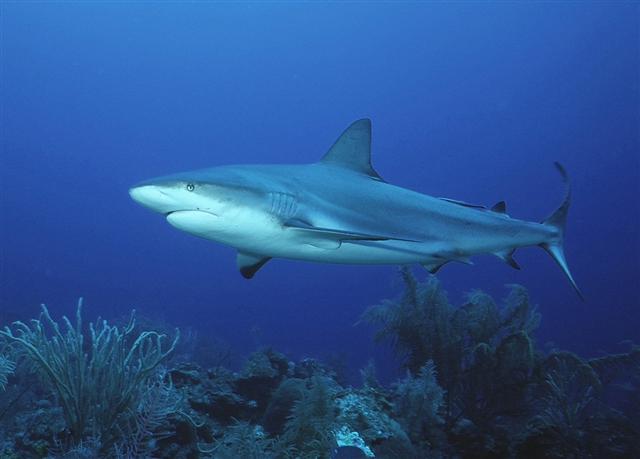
{"x":472,"y":102}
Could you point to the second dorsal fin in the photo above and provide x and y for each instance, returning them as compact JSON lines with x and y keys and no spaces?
{"x":352,"y":150}
{"x":500,"y":207}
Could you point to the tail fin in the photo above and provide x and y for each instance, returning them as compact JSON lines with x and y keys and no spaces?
{"x":558,"y":220}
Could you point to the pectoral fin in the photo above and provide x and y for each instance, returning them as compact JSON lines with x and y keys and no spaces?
{"x":331,"y":238}
{"x":249,"y":264}
{"x":435,"y":265}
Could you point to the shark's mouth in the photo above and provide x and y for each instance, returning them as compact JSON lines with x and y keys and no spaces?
{"x":167,"y":214}
{"x":198,"y":222}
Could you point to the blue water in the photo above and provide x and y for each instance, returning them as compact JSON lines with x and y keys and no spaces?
{"x":472,"y":102}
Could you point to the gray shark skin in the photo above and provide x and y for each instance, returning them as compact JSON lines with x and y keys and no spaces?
{"x":339,"y":210}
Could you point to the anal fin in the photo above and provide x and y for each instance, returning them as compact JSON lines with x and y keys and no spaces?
{"x":249,"y":264}
{"x":507,"y":257}
{"x":434,"y":266}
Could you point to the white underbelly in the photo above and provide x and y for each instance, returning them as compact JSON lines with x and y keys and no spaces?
{"x":356,"y":253}
{"x":260,"y":234}
{"x":288,"y":243}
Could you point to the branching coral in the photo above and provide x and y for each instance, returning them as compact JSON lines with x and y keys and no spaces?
{"x":147,"y":421}
{"x":501,"y":397}
{"x":569,"y":388}
{"x":7,"y":367}
{"x":246,"y":441}
{"x":418,"y":324}
{"x":468,"y":344}
{"x":310,"y":428}
{"x":475,"y":387}
{"x":419,"y":402}
{"x":482,"y":351}
{"x":96,"y":378}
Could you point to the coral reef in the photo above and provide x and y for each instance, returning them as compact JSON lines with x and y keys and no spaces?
{"x":419,"y":400}
{"x":101,"y":380}
{"x":7,"y":367}
{"x":502,"y":398}
{"x":476,"y":387}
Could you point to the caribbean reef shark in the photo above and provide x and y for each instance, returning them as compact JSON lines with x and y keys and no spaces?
{"x":339,"y":210}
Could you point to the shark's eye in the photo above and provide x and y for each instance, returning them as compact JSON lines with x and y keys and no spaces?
{"x":190,"y":187}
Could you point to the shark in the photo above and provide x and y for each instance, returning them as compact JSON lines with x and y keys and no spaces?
{"x":340,"y":210}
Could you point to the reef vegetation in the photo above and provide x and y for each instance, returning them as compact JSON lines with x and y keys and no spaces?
{"x":476,"y":386}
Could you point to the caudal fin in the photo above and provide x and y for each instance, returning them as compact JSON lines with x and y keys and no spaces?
{"x":558,"y":220}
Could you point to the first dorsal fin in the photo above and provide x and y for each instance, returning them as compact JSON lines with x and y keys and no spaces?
{"x":352,"y":150}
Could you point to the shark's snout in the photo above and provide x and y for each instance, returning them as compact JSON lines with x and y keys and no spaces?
{"x":153,"y":197}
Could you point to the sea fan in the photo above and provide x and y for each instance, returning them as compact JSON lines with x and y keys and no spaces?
{"x":7,"y":367}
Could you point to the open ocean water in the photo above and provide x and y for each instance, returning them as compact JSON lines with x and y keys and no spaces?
{"x":469,"y":101}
